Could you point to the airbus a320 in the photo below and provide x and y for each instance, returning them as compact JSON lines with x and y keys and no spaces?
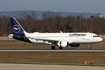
{"x":56,"y":39}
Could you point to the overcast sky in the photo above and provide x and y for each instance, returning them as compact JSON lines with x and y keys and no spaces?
{"x":89,"y":6}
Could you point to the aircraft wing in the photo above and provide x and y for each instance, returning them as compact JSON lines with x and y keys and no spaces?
{"x":53,"y":39}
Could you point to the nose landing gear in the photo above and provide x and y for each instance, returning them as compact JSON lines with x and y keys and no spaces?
{"x":89,"y":46}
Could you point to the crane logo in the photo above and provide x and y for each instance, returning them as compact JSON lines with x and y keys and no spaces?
{"x":16,"y":28}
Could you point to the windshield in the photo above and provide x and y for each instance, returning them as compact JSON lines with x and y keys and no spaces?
{"x":96,"y":36}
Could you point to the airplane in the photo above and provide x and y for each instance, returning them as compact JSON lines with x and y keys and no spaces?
{"x":56,"y":39}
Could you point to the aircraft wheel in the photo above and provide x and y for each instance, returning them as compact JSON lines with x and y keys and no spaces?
{"x":53,"y":47}
{"x":60,"y":47}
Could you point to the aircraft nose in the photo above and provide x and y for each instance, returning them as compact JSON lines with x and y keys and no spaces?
{"x":100,"y":39}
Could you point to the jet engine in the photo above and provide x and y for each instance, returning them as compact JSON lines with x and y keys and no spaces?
{"x":63,"y":44}
{"x":74,"y":45}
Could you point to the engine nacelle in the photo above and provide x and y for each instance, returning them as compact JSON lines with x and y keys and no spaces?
{"x":63,"y":44}
{"x":74,"y":45}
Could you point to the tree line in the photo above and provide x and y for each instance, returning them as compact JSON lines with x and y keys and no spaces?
{"x":53,"y":22}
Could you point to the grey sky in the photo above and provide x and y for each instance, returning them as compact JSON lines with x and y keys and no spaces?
{"x":90,"y":6}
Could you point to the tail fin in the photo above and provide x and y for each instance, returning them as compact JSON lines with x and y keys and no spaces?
{"x":18,"y":31}
{"x":16,"y":27}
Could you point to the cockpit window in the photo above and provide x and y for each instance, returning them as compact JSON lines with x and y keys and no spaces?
{"x":96,"y":36}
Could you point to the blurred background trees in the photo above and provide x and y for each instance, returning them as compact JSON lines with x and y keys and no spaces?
{"x":53,"y":22}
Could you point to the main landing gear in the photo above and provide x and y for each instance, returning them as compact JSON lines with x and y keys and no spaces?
{"x":60,"y":47}
{"x":53,"y":47}
{"x":89,"y":46}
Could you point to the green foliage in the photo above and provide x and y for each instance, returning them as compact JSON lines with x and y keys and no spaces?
{"x":91,"y":16}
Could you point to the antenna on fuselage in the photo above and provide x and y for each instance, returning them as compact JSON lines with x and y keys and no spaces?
{"x":60,"y":31}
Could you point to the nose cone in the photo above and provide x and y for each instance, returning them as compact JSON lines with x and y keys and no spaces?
{"x":100,"y":39}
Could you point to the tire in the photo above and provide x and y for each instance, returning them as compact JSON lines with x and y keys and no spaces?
{"x":60,"y":48}
{"x":53,"y":47}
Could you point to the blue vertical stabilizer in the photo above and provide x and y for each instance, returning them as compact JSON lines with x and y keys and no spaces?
{"x":18,"y":31}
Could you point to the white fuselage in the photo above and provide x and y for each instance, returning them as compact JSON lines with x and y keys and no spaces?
{"x":80,"y":38}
